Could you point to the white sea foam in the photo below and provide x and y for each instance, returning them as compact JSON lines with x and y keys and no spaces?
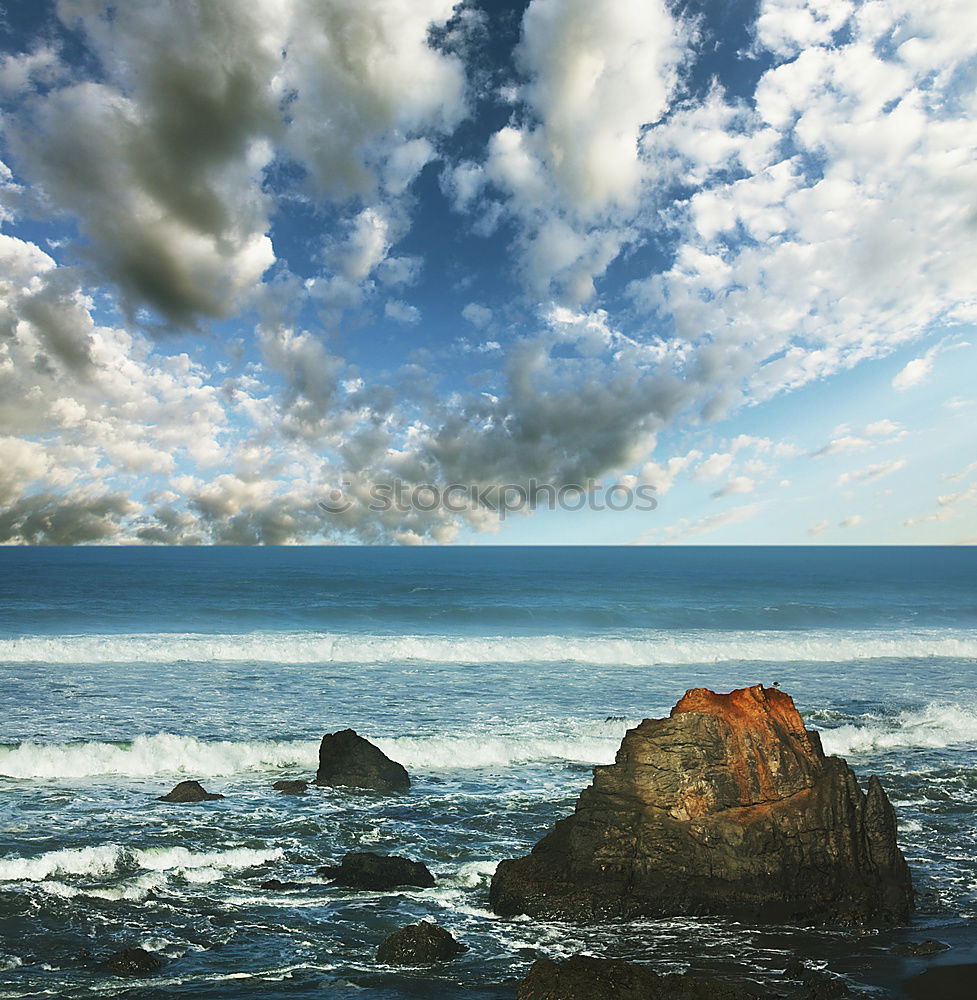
{"x":462,"y":752}
{"x":166,"y":754}
{"x":637,"y":649}
{"x":108,"y":859}
{"x":934,"y":726}
{"x":101,"y":860}
{"x":146,"y":756}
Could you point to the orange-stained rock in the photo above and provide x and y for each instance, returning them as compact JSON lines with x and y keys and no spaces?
{"x":728,"y":806}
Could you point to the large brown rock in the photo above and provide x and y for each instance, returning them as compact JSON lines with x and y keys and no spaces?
{"x":728,"y":807}
{"x":345,"y":758}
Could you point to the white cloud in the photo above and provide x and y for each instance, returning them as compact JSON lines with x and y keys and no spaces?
{"x":598,"y":71}
{"x":713,"y":467}
{"x":402,"y":312}
{"x":915,"y":373}
{"x":871,"y":472}
{"x":478,"y":315}
{"x":738,"y":484}
{"x":851,"y":521}
{"x":713,"y":522}
{"x":817,"y":529}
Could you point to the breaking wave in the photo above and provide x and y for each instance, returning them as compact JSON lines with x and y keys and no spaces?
{"x":935,"y":725}
{"x":166,"y":754}
{"x":107,"y":859}
{"x":641,"y":649}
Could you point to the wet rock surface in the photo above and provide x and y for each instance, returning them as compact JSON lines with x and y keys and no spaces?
{"x":346,"y":759}
{"x":289,"y":787}
{"x":378,"y":872}
{"x":189,"y":791}
{"x":419,"y":944}
{"x":585,"y":978}
{"x":729,"y":807}
{"x":132,"y":962}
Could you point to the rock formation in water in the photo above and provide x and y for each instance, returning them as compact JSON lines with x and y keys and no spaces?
{"x":583,"y":978}
{"x":377,"y":872}
{"x":419,"y":944}
{"x":189,"y":791}
{"x":727,"y":807}
{"x":289,"y":787}
{"x":345,"y":758}
{"x":132,"y":962}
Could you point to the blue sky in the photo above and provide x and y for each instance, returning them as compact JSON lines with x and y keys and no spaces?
{"x":251,"y":254}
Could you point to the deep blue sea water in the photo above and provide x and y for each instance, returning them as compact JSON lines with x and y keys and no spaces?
{"x":499,"y":677}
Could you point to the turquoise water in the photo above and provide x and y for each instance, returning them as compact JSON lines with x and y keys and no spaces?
{"x":499,"y":677}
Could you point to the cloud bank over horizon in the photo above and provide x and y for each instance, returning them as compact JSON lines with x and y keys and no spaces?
{"x":251,"y":254}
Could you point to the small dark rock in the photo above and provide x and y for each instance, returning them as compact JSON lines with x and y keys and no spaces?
{"x":584,"y":978}
{"x":379,"y":872}
{"x":419,"y":944}
{"x":189,"y":791}
{"x":132,"y":962}
{"x":347,"y":759}
{"x":814,"y":985}
{"x":290,"y":787}
{"x":615,"y":718}
{"x":927,"y":947}
{"x":274,"y":883}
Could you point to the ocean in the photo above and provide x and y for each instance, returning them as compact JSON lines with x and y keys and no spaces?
{"x":499,"y":677}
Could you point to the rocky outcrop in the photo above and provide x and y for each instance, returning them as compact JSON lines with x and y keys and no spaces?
{"x":584,"y":978}
{"x":419,"y":944}
{"x":378,"y":872}
{"x":728,"y":807}
{"x":189,"y":791}
{"x":345,"y":758}
{"x":132,"y":962}
{"x":287,"y":787}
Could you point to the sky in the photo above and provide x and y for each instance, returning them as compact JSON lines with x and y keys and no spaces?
{"x":261,"y":262}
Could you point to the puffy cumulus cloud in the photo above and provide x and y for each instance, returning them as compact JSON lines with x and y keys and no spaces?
{"x":853,"y":520}
{"x":364,"y":84}
{"x":914,"y":373}
{"x":87,"y":410}
{"x":714,"y":466}
{"x":162,"y":162}
{"x":596,"y":75}
{"x":75,"y":518}
{"x":824,"y":228}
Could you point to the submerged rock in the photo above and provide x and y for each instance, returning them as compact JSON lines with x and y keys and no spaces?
{"x":728,"y":807}
{"x":189,"y":791}
{"x":927,"y":947}
{"x":277,"y":884}
{"x":345,"y":758}
{"x":287,"y":787}
{"x":132,"y":962}
{"x":378,"y":872}
{"x":584,"y":978}
{"x":419,"y":944}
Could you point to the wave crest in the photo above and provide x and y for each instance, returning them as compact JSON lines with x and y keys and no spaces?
{"x":644,"y":649}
